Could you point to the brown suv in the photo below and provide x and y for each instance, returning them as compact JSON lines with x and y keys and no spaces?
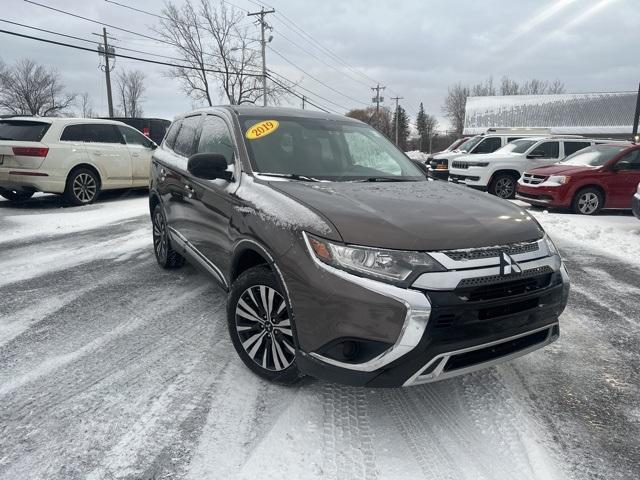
{"x":343,"y":261}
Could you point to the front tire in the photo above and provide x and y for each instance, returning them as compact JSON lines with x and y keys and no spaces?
{"x":83,"y":187}
{"x":16,"y":196}
{"x":587,"y":201}
{"x":503,"y":185}
{"x":260,"y":326}
{"x":166,"y":256}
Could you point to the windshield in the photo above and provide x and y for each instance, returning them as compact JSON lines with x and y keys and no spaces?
{"x":469,"y":144}
{"x":517,"y":146}
{"x":321,"y":149}
{"x":23,"y":130}
{"x":595,"y":156}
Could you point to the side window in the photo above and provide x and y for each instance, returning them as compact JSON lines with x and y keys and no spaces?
{"x":73,"y":133}
{"x":631,"y":161}
{"x":99,"y":133}
{"x":185,"y":142}
{"x":133,"y":137}
{"x":547,"y":150}
{"x":216,"y":138}
{"x":170,"y":138}
{"x":573,"y":147}
{"x":488,"y":145}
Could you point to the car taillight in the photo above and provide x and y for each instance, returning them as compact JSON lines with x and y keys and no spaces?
{"x":31,"y":151}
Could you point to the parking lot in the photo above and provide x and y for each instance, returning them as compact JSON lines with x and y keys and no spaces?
{"x":111,"y":367}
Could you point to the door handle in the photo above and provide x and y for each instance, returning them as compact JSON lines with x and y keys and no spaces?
{"x":97,"y":154}
{"x":135,"y":154}
{"x":189,"y":190}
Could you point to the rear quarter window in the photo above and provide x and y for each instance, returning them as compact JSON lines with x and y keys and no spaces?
{"x":23,"y":130}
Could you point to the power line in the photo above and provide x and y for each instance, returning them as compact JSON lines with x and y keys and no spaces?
{"x":119,"y":55}
{"x":312,"y":92}
{"x":314,"y":78}
{"x":302,"y":97}
{"x":146,"y":12}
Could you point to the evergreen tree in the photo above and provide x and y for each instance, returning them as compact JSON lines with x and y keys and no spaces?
{"x":403,"y":127}
{"x":426,"y":125}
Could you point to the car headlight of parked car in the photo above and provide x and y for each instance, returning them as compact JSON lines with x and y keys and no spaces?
{"x":558,"y":179}
{"x":553,"y":250}
{"x":393,"y":265}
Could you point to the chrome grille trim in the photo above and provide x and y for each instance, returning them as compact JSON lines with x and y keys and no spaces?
{"x":474,"y":254}
{"x":497,"y":279}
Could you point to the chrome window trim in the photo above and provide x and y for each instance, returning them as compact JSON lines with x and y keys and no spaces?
{"x":439,"y":373}
{"x":415,"y":322}
{"x":449,"y":280}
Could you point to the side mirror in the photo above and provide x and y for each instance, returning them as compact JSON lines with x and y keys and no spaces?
{"x":209,"y":166}
{"x":621,"y":165}
{"x":152,"y":145}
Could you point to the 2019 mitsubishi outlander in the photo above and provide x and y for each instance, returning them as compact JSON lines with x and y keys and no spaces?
{"x":340,"y":258}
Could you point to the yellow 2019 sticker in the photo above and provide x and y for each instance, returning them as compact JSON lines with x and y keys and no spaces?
{"x":261,"y":129}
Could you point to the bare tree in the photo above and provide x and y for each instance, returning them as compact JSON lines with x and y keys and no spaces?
{"x":131,"y":89}
{"x":86,"y":106}
{"x":509,"y":87}
{"x":27,"y":88}
{"x":484,"y":89}
{"x":454,"y":106}
{"x":212,"y":37}
{"x":382,"y":120}
{"x":556,"y":87}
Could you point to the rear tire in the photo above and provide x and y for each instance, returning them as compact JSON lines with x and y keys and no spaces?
{"x":83,"y":187}
{"x":587,"y":201}
{"x":263,"y":339}
{"x":166,"y":256}
{"x":503,"y":185}
{"x":16,"y":196}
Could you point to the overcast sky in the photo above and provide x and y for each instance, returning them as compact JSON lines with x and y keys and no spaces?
{"x":414,"y":47}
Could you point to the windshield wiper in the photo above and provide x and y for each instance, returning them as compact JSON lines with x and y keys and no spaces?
{"x":387,"y":179}
{"x":292,"y":176}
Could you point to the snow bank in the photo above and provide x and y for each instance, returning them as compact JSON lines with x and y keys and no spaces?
{"x":613,"y":235}
{"x":417,"y":155}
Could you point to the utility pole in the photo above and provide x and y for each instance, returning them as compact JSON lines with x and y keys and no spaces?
{"x":377,"y":99}
{"x":396,"y":99}
{"x":263,"y":42}
{"x":634,"y":134}
{"x":104,"y":50}
{"x":303,"y":101}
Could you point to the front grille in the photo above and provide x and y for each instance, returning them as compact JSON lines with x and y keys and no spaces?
{"x":476,"y":253}
{"x":459,"y":164}
{"x":506,"y":289}
{"x":531,"y":179}
{"x":498,"y":279}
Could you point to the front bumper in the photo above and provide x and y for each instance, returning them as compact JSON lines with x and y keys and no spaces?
{"x":447,"y":331}
{"x":469,"y":177}
{"x":635,"y":205}
{"x":543,"y":196}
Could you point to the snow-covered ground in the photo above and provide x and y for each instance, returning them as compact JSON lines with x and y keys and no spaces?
{"x":112,"y":368}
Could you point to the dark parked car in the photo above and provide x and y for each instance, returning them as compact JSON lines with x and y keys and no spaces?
{"x":636,"y":202}
{"x":602,"y":176}
{"x":153,"y":128}
{"x":341,"y":260}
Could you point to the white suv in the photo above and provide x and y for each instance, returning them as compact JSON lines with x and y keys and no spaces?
{"x":498,"y":172}
{"x":71,"y":156}
{"x":488,"y":142}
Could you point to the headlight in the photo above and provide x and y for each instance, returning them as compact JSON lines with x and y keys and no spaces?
{"x":478,"y":164}
{"x":551,"y":246}
{"x":558,"y":179}
{"x":394,"y":265}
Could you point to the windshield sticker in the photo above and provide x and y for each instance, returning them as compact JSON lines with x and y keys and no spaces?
{"x":262,"y":129}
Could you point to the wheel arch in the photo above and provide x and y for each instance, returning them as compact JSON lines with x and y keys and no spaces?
{"x":88,"y":166}
{"x":505,"y":170}
{"x":595,"y":186}
{"x":154,"y":200}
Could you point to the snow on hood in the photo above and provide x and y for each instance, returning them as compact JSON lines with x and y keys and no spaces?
{"x":561,"y":169}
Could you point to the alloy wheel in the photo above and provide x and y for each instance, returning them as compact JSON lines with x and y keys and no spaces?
{"x":588,"y":203}
{"x":84,"y":187}
{"x":264,"y":327}
{"x":505,"y":187}
{"x":159,"y":235}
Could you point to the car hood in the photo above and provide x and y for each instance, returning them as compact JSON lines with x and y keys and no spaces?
{"x":426,"y":215}
{"x":561,"y":169}
{"x":488,"y":156}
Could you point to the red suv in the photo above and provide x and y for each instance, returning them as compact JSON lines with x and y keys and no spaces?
{"x":602,"y":176}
